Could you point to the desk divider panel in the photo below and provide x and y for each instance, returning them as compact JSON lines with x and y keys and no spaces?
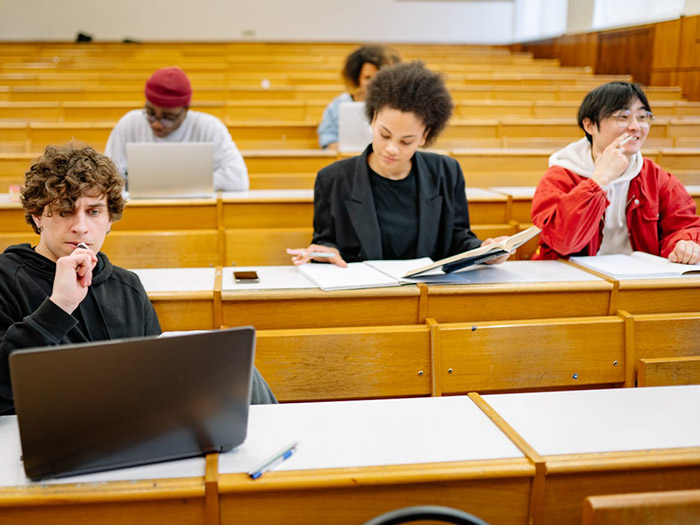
{"x":654,"y":336}
{"x":256,"y":246}
{"x":535,"y":354}
{"x":163,"y":249}
{"x":345,"y":363}
{"x":143,"y":502}
{"x":674,"y":506}
{"x":669,"y":371}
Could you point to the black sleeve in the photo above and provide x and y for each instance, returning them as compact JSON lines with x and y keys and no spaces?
{"x":324,"y":227}
{"x":46,"y":326}
{"x":463,"y":237}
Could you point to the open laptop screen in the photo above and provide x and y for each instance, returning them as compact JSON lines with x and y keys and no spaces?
{"x":354,"y":132}
{"x":170,"y":169}
{"x":97,"y":406}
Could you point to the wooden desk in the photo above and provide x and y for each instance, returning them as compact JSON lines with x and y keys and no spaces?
{"x":520,"y":290}
{"x":521,"y":201}
{"x":293,"y":302}
{"x":605,"y":442}
{"x":492,"y":356}
{"x":643,"y":296}
{"x":358,"y":459}
{"x":184,"y":298}
{"x":286,"y":169}
{"x":172,"y":492}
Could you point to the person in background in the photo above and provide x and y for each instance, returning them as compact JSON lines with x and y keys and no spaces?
{"x":393,"y":201}
{"x":65,"y":290}
{"x":167,"y":117}
{"x":601,"y":196}
{"x":360,"y":67}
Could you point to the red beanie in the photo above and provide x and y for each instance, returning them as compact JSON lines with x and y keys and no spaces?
{"x":169,"y":88}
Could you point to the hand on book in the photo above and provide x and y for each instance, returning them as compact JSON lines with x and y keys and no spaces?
{"x":502,"y":258}
{"x":686,"y":252}
{"x":320,"y":253}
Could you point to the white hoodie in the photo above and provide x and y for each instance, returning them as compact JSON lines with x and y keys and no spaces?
{"x":577,"y":157}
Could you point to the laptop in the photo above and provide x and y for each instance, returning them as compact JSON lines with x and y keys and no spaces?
{"x":170,"y":169}
{"x":354,"y":131}
{"x":97,"y":406}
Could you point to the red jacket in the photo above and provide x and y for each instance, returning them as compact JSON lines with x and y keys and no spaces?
{"x":570,"y":210}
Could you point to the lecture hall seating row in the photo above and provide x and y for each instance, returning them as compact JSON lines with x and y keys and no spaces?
{"x":497,"y":356}
{"x":495,"y":465}
{"x":309,"y":93}
{"x":512,"y":132}
{"x":482,"y":167}
{"x":311,"y":110}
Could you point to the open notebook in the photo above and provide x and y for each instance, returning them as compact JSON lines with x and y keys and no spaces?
{"x":373,"y":274}
{"x":639,"y":265}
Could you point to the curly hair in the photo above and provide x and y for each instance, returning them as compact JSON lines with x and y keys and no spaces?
{"x":62,"y":174}
{"x":380,"y":56}
{"x":410,"y":87}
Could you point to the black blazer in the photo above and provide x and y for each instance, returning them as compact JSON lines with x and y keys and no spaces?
{"x":345,"y":217}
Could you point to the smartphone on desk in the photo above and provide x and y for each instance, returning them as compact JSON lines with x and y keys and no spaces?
{"x":246,"y":277}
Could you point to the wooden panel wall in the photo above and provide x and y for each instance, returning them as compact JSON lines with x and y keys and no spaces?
{"x":661,"y":54}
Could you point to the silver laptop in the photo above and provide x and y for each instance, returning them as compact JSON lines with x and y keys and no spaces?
{"x":170,"y":169}
{"x":354,"y":131}
{"x":98,"y":406}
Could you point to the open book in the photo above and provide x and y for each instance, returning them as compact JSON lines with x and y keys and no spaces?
{"x":372,"y":274}
{"x":639,"y":265}
{"x":478,"y":255}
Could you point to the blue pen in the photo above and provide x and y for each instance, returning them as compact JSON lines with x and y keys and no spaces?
{"x":268,"y":464}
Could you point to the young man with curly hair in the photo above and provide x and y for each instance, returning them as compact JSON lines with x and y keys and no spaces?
{"x":393,"y":201}
{"x":360,"y":67}
{"x":64,"y":290}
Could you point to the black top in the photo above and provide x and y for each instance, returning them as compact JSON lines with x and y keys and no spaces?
{"x":396,"y":202}
{"x":115,"y":307}
{"x":346,"y":215}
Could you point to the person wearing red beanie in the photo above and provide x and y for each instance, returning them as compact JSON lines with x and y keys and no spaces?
{"x":167,"y":117}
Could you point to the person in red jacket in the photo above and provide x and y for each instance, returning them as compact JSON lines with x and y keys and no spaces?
{"x":600,"y":196}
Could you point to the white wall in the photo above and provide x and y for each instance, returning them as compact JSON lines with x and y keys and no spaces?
{"x":617,"y":13}
{"x":580,"y":16}
{"x":536,"y":19}
{"x":460,"y":21}
{"x":692,"y":7}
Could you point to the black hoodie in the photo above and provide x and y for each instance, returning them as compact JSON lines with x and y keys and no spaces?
{"x":115,"y":307}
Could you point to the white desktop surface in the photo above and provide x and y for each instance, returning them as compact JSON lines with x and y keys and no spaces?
{"x":614,"y":420}
{"x":12,"y":471}
{"x":479,"y":194}
{"x":350,"y":434}
{"x":271,"y":278}
{"x":519,"y":192}
{"x":281,"y":195}
{"x":177,"y":279}
{"x":525,"y":272}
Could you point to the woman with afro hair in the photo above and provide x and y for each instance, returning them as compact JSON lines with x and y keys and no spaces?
{"x":393,"y":201}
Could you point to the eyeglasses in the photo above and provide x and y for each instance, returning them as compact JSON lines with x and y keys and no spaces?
{"x":167,"y":122}
{"x":624,"y":118}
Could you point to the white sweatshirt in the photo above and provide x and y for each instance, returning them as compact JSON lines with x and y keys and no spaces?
{"x":230,"y":172}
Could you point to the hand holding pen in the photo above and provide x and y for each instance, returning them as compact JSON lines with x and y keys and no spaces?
{"x":273,"y":461}
{"x":73,"y":277}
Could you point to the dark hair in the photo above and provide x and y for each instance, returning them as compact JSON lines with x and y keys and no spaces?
{"x":379,"y":56}
{"x":410,"y":87}
{"x":605,"y":100}
{"x":63,"y":173}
